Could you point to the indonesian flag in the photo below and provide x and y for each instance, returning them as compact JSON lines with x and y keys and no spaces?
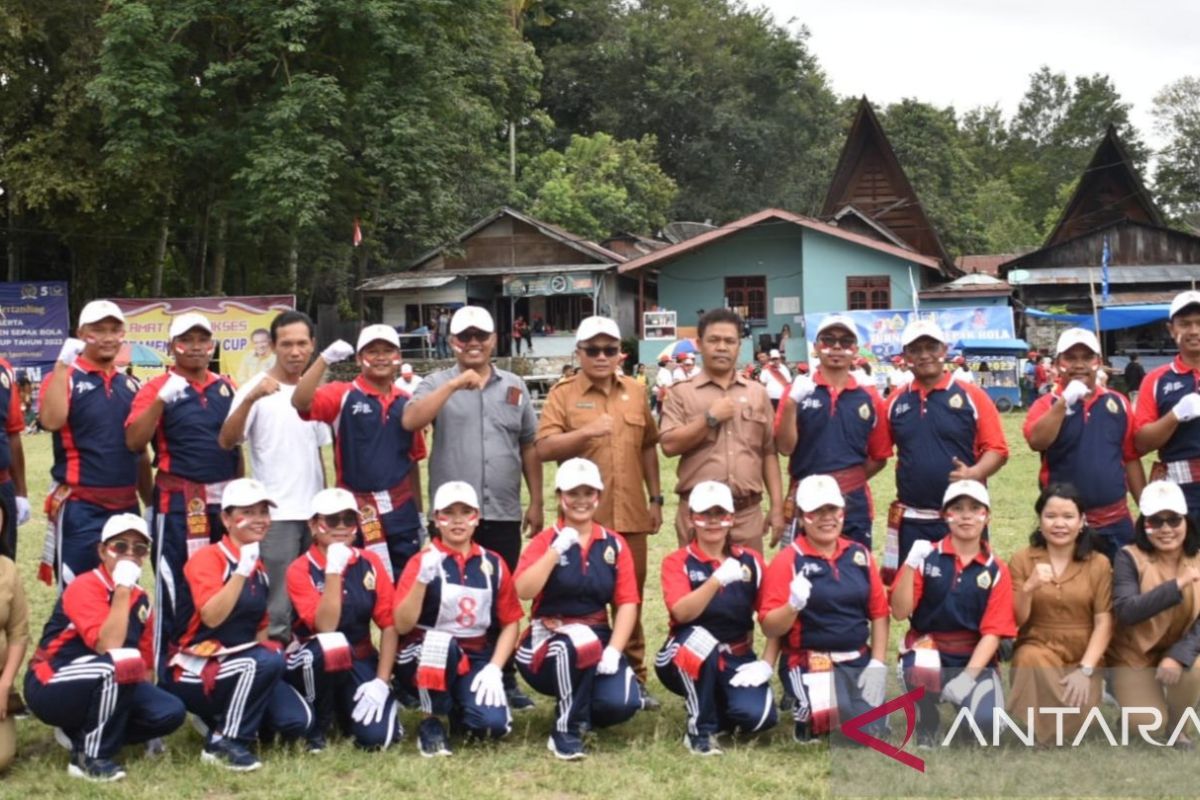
{"x":357,"y":233}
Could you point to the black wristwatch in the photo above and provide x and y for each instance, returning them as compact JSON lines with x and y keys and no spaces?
{"x":657,"y":499}
{"x":712,"y":421}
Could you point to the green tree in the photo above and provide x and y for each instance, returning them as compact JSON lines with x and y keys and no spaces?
{"x":1177,"y":177}
{"x":599,"y":186}
{"x":998,"y":209}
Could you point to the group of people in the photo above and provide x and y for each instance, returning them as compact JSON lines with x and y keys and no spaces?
{"x":265,"y":589}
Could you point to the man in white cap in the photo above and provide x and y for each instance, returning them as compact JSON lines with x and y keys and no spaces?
{"x":829,"y":424}
{"x":1167,"y":418}
{"x":408,"y":380}
{"x":14,"y":497}
{"x":944,"y":431}
{"x":1084,"y":432}
{"x":602,"y":416}
{"x":285,"y":453}
{"x":776,"y":377}
{"x":484,"y":430}
{"x":375,"y":455}
{"x":686,"y":369}
{"x":85,"y":402}
{"x":182,"y":411}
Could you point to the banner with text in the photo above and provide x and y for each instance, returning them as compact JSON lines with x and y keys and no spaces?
{"x":879,"y":331}
{"x":34,"y":321}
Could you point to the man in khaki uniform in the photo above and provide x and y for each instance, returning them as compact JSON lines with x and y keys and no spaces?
{"x":720,"y":423}
{"x":604,"y":417}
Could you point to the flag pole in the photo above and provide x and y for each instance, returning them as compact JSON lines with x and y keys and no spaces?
{"x":1095,"y":308}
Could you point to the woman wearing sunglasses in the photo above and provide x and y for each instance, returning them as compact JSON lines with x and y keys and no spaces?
{"x":337,"y":590}
{"x":957,"y":597}
{"x":91,"y":673}
{"x":223,"y":666}
{"x":573,"y":571}
{"x":1156,"y":600}
{"x":711,"y":588}
{"x":457,"y":608}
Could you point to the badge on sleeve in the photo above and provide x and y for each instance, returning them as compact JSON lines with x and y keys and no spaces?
{"x":224,"y":390}
{"x":1111,"y":405}
{"x":984,"y":581}
{"x":860,"y":558}
{"x":610,"y":555}
{"x":864,"y":411}
{"x":514,"y":396}
{"x":4,"y":379}
{"x":746,"y":576}
{"x":369,"y":580}
{"x":956,"y":401}
{"x":143,"y":612}
{"x":485,"y":566}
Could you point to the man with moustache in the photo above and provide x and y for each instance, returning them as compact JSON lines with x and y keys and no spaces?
{"x":285,"y":454}
{"x":1084,"y":432}
{"x":85,"y":402}
{"x":484,"y":428}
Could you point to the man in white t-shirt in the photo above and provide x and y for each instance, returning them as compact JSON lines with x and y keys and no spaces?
{"x":285,"y":455}
{"x":685,"y":370}
{"x":962,"y":373}
{"x":776,"y":377}
{"x":408,"y":380}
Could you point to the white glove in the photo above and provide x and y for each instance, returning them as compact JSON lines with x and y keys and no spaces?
{"x":369,"y":702}
{"x":1075,"y":391}
{"x":609,"y":661}
{"x":565,"y":540}
{"x":754,"y":673}
{"x":917,"y":554}
{"x":802,"y":387}
{"x":173,"y":389}
{"x":957,"y":690}
{"x":798,"y":591}
{"x":338,"y":351}
{"x":431,"y":564}
{"x":488,"y":686}
{"x":1188,"y":407}
{"x":70,"y":351}
{"x":247,"y":560}
{"x":24,"y":511}
{"x":729,"y":572}
{"x":126,"y":573}
{"x":337,"y":556}
{"x":873,"y":681}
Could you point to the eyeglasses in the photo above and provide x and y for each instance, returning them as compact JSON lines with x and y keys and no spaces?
{"x":120,"y":548}
{"x":346,"y":519}
{"x":841,"y":342}
{"x":1160,"y":521}
{"x":472,"y":335}
{"x":593,"y":352}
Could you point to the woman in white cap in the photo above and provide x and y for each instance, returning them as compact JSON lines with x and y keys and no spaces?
{"x":223,"y":666}
{"x":574,"y":571}
{"x":958,"y":598}
{"x":457,"y":609}
{"x":337,"y":590}
{"x":822,"y":595}
{"x":91,"y":673}
{"x":712,"y":588}
{"x":1156,"y":599}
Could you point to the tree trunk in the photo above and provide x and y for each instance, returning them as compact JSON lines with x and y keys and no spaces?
{"x":512,"y":150}
{"x":218,"y":267}
{"x":202,"y":250}
{"x":13,"y":271}
{"x":160,"y":252}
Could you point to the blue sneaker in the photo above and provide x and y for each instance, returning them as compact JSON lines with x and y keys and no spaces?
{"x":97,"y":770}
{"x":701,"y":744}
{"x":566,"y":746}
{"x":431,"y":738}
{"x":230,"y":755}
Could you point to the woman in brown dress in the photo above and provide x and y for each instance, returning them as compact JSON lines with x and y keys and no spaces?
{"x":1063,"y":600}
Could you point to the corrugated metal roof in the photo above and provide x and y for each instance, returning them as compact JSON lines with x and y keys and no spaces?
{"x":405,"y":280}
{"x":1145,"y":273}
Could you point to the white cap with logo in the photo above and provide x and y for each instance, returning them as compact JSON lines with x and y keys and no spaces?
{"x":452,"y":492}
{"x":773,"y":354}
{"x":1162,"y":496}
{"x":817,"y":491}
{"x":244,"y":492}
{"x":837,"y":320}
{"x":185,"y":322}
{"x":1183,"y":300}
{"x":406,"y":369}
{"x":972,"y":489}
{"x":707,"y":495}
{"x":98,"y":310}
{"x":919,"y":328}
{"x":1073,"y":336}
{"x":576,"y":472}
{"x":333,"y":500}
{"x":469,"y":317}
{"x":592,"y":327}
{"x":123,"y":523}
{"x":377,"y":333}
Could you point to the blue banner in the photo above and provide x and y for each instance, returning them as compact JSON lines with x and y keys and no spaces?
{"x":34,"y":321}
{"x":879,"y":331}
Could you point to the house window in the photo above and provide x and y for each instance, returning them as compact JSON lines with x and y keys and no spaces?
{"x":869,"y":292}
{"x":747,"y":295}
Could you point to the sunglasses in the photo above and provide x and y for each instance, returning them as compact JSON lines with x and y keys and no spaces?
{"x":472,"y":335}
{"x":120,"y":548}
{"x":841,"y":342}
{"x":1165,"y":520}
{"x":593,"y":352}
{"x":345,"y":519}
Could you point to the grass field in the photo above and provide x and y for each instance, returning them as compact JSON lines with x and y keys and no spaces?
{"x":643,"y":758}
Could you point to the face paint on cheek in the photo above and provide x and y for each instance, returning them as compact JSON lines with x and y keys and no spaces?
{"x":180,"y":349}
{"x":322,"y":527}
{"x":825,"y":350}
{"x":241,"y":523}
{"x":456,"y":348}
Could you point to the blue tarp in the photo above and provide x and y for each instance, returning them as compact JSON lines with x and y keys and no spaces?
{"x":993,"y":344}
{"x":1111,"y":318}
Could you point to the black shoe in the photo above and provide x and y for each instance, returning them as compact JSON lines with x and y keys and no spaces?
{"x":431,"y":738}
{"x":649,"y":702}
{"x":408,"y":698}
{"x":517,"y":699}
{"x":315,"y":743}
{"x":99,"y":770}
{"x":802,"y":734}
{"x":787,"y":703}
{"x":701,"y":744}
{"x":566,"y":746}
{"x":926,"y":740}
{"x":230,"y":755}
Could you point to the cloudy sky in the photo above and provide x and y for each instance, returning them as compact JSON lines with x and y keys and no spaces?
{"x":969,"y":52}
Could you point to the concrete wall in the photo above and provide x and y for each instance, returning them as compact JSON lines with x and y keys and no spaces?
{"x":829,"y":260}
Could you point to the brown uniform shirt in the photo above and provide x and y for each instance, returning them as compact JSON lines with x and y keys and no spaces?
{"x":733,"y":453}
{"x":574,"y":403}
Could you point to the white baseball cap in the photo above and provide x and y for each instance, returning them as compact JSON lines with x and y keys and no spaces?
{"x":244,"y":492}
{"x":375,"y":333}
{"x":972,"y":489}
{"x":922,"y":327}
{"x":834,"y":320}
{"x":122,"y":523}
{"x":1162,"y":496}
{"x":773,"y":354}
{"x":406,"y":369}
{"x":331,"y":501}
{"x":576,"y":472}
{"x":471,"y":317}
{"x":1073,"y":336}
{"x":98,"y":310}
{"x":689,"y":359}
{"x":185,"y":322}
{"x":710,"y":494}
{"x":452,"y":492}
{"x":816,"y":491}
{"x":1183,"y":300}
{"x":597,"y":326}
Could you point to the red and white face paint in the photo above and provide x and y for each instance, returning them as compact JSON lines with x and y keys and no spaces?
{"x":713,"y":518}
{"x":248,"y":524}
